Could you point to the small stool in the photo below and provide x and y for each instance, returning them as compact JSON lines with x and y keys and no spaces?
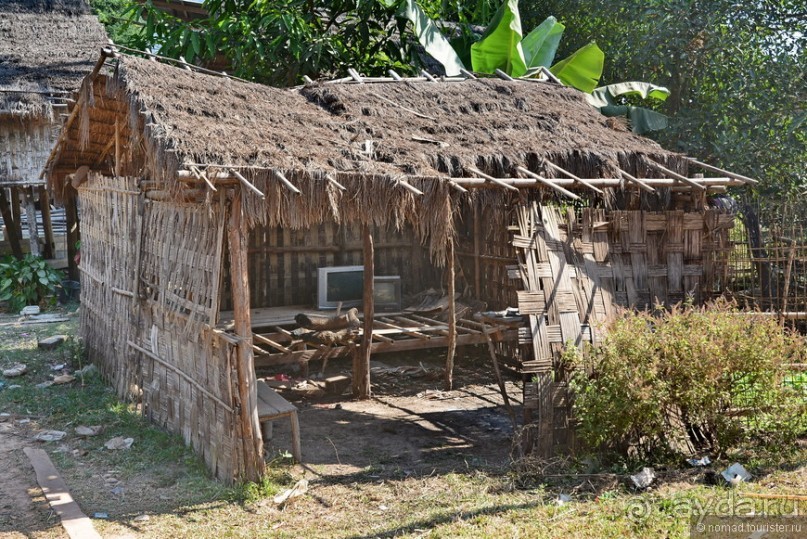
{"x":272,"y":406}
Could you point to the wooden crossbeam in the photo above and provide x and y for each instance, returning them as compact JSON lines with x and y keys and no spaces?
{"x":492,"y":179}
{"x":565,"y":172}
{"x":247,"y":183}
{"x":290,"y":186}
{"x":265,"y":340}
{"x":712,"y":168}
{"x":636,"y":181}
{"x":202,"y":176}
{"x":688,"y":181}
{"x":388,"y":323}
{"x":548,"y":183}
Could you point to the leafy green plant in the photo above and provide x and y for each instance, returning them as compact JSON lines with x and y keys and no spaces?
{"x":689,"y":379}
{"x":615,"y":100}
{"x":26,"y":281}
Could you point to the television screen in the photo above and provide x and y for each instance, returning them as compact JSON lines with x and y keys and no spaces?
{"x":385,"y":292}
{"x":345,"y":286}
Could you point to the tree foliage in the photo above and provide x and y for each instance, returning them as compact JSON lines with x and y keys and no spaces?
{"x":736,"y":72}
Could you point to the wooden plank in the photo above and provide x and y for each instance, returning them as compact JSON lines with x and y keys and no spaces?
{"x":361,"y":358}
{"x":271,"y":404}
{"x":74,"y":521}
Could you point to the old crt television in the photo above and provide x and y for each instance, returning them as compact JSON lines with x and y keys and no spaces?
{"x":387,"y":293}
{"x":345,"y":285}
{"x":340,"y":284}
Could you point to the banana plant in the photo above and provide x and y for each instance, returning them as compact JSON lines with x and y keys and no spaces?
{"x":611,"y":100}
{"x":503,"y":47}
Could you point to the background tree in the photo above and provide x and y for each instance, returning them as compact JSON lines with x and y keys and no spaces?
{"x":736,"y":71}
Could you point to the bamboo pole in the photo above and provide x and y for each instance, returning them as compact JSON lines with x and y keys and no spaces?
{"x":73,"y":234}
{"x":548,"y":183}
{"x":636,"y":181}
{"x":477,"y":252}
{"x":492,"y":179}
{"x":361,"y":358}
{"x":30,"y":213}
{"x":252,"y":443}
{"x":665,"y":170}
{"x":452,"y":318}
{"x":565,"y":172}
{"x":712,"y":168}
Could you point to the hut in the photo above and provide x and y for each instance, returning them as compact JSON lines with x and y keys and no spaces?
{"x":46,"y":49}
{"x":210,"y":204}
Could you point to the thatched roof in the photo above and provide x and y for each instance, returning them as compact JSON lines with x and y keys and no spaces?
{"x":490,"y":123}
{"x":45,"y":46}
{"x":367,"y":136}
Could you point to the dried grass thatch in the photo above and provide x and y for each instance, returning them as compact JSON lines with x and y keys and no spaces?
{"x":45,"y":46}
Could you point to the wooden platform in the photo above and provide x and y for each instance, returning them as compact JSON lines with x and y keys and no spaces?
{"x":396,"y":332}
{"x":278,"y":316}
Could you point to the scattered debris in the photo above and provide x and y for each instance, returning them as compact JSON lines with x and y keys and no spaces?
{"x":119,"y":442}
{"x":142,"y":518}
{"x":58,"y":367}
{"x":40,"y":319}
{"x":93,"y":430}
{"x":101,"y":516}
{"x":14,"y":386}
{"x":50,"y":436}
{"x":79,"y":453}
{"x":30,"y":310}
{"x":117,"y":491}
{"x":64,"y":379}
{"x":336,"y":385}
{"x":46,"y":383}
{"x":18,"y":369}
{"x":736,"y":474}
{"x":699,"y":463}
{"x":2,"y":385}
{"x":643,"y":479}
{"x":562,"y":499}
{"x":51,"y":342}
{"x":300,"y":488}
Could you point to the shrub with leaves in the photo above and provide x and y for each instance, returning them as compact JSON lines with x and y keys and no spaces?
{"x":26,"y":281}
{"x":690,"y":379}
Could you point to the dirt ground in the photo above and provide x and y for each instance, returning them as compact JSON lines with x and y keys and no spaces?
{"x":410,"y":428}
{"x":410,"y":425}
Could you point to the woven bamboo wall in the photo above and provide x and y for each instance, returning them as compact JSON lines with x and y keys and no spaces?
{"x":576,"y":268}
{"x":24,"y":148}
{"x":151,"y":272}
{"x":283,"y":262}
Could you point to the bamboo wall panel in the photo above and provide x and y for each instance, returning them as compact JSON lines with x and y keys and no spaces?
{"x":25,"y":145}
{"x":283,"y":262}
{"x":575,"y":269}
{"x":150,"y":273}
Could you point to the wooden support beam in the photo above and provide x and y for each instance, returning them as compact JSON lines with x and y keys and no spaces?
{"x":200,"y":175}
{"x":393,"y":74}
{"x":548,"y":183}
{"x":10,"y":224}
{"x":246,"y":183}
{"x":286,"y":183}
{"x":409,"y":187}
{"x":477,"y":250}
{"x":16,"y":214}
{"x":642,"y":185}
{"x":73,"y":232}
{"x":335,"y":183}
{"x":492,"y":179}
{"x":355,"y":75}
{"x":502,"y":75}
{"x":565,"y":172}
{"x":452,"y":317}
{"x":30,"y":213}
{"x":498,"y":373}
{"x":712,"y":168}
{"x":467,"y":73}
{"x":428,"y":75}
{"x":250,"y":428}
{"x":47,"y":223}
{"x":665,"y":170}
{"x":117,"y":149}
{"x":361,"y":358}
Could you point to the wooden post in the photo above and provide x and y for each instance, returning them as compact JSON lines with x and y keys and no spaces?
{"x":361,"y":360}
{"x":252,"y":443}
{"x":47,"y":224}
{"x":477,"y":251}
{"x":452,"y":318}
{"x":73,"y":235}
{"x":10,"y":223}
{"x":30,"y":213}
{"x":15,"y":209}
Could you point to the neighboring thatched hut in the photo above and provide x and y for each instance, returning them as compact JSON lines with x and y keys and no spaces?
{"x":208,"y":194}
{"x":46,"y":49}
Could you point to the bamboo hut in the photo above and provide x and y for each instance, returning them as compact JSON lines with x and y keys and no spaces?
{"x":46,"y":49}
{"x":209,"y":204}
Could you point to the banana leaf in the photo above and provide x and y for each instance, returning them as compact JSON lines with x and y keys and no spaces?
{"x":541,"y":44}
{"x":432,"y":39}
{"x":500,"y":46}
{"x":607,"y":95}
{"x":642,"y":120}
{"x":582,"y":69}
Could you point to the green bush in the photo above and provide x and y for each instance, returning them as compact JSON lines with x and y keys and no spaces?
{"x":690,"y":379}
{"x":26,"y":281}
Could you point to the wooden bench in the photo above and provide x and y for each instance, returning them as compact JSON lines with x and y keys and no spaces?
{"x":272,"y":406}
